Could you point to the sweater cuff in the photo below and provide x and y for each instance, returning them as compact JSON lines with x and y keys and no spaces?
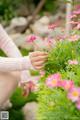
{"x":26,"y":63}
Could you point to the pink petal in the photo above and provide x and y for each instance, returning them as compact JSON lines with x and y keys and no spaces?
{"x":74,"y":94}
{"x":42,"y":73}
{"x":77,"y":12}
{"x":31,"y":38}
{"x":74,"y":37}
{"x":73,"y":62}
{"x":67,"y":84}
{"x":78,"y":26}
{"x":78,"y":105}
{"x":52,"y":80}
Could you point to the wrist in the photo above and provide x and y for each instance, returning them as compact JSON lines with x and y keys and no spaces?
{"x":27,"y":65}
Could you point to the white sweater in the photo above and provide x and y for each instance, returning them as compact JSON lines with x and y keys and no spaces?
{"x":14,"y":61}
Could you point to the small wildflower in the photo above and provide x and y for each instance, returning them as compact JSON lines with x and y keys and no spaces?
{"x":67,"y":84}
{"x":78,"y":26}
{"x":52,"y":26}
{"x":31,"y":38}
{"x":73,"y":22}
{"x":74,"y":94}
{"x":73,"y":62}
{"x":42,"y":73}
{"x":76,"y":12}
{"x":53,"y":80}
{"x":78,"y":104}
{"x":74,"y":38}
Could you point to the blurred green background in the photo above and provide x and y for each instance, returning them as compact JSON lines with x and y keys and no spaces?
{"x":11,"y":8}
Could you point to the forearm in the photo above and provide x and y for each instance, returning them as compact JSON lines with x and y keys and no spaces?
{"x":11,"y":50}
{"x":14,"y":64}
{"x":7,"y":45}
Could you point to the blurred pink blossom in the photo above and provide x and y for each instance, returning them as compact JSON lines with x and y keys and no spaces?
{"x":31,"y":38}
{"x":78,"y":104}
{"x":53,"y":80}
{"x":78,"y":26}
{"x":50,"y":40}
{"x":73,"y":16}
{"x":61,"y":37}
{"x":42,"y":73}
{"x":74,"y":94}
{"x":77,"y":7}
{"x":73,"y":22}
{"x":52,"y":26}
{"x":67,"y":84}
{"x":74,"y":38}
{"x":73,"y":62}
{"x":76,"y":12}
{"x":29,"y":87}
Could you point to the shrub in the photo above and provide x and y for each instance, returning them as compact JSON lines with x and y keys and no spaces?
{"x":54,"y":103}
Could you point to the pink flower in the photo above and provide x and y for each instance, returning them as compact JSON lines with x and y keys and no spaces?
{"x":53,"y":80}
{"x":52,"y":26}
{"x":50,"y":40}
{"x":77,"y":12}
{"x":78,"y":104}
{"x":61,"y":37}
{"x":31,"y":38}
{"x":73,"y":16}
{"x":78,"y":26}
{"x":42,"y":73}
{"x":28,"y":87}
{"x":77,"y":7}
{"x":67,"y":84}
{"x":74,"y":94}
{"x":73,"y":62}
{"x":73,"y":22}
{"x":74,"y":38}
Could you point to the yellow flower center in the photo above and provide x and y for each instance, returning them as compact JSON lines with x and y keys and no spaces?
{"x":75,"y":93}
{"x":54,"y":82}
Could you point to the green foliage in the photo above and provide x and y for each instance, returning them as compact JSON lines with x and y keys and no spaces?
{"x":24,"y":51}
{"x":8,"y":8}
{"x":2,"y":53}
{"x":49,"y":6}
{"x":18,"y":100}
{"x":59,"y":56}
{"x":53,"y":103}
{"x":15,"y":114}
{"x":34,"y":72}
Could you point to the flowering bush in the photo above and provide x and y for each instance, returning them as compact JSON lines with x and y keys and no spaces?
{"x":59,"y":94}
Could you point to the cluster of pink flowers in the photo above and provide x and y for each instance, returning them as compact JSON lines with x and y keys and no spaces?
{"x":31,"y":38}
{"x":75,"y":16}
{"x":52,"y":26}
{"x":74,"y":38}
{"x":73,"y":93}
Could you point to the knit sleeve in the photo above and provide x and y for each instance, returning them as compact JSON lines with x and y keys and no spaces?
{"x":7,"y":45}
{"x":14,"y":64}
{"x":10,"y":64}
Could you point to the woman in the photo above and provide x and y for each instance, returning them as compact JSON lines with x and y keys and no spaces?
{"x":15,"y":66}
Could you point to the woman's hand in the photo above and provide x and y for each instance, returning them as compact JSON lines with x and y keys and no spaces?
{"x":38,"y":59}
